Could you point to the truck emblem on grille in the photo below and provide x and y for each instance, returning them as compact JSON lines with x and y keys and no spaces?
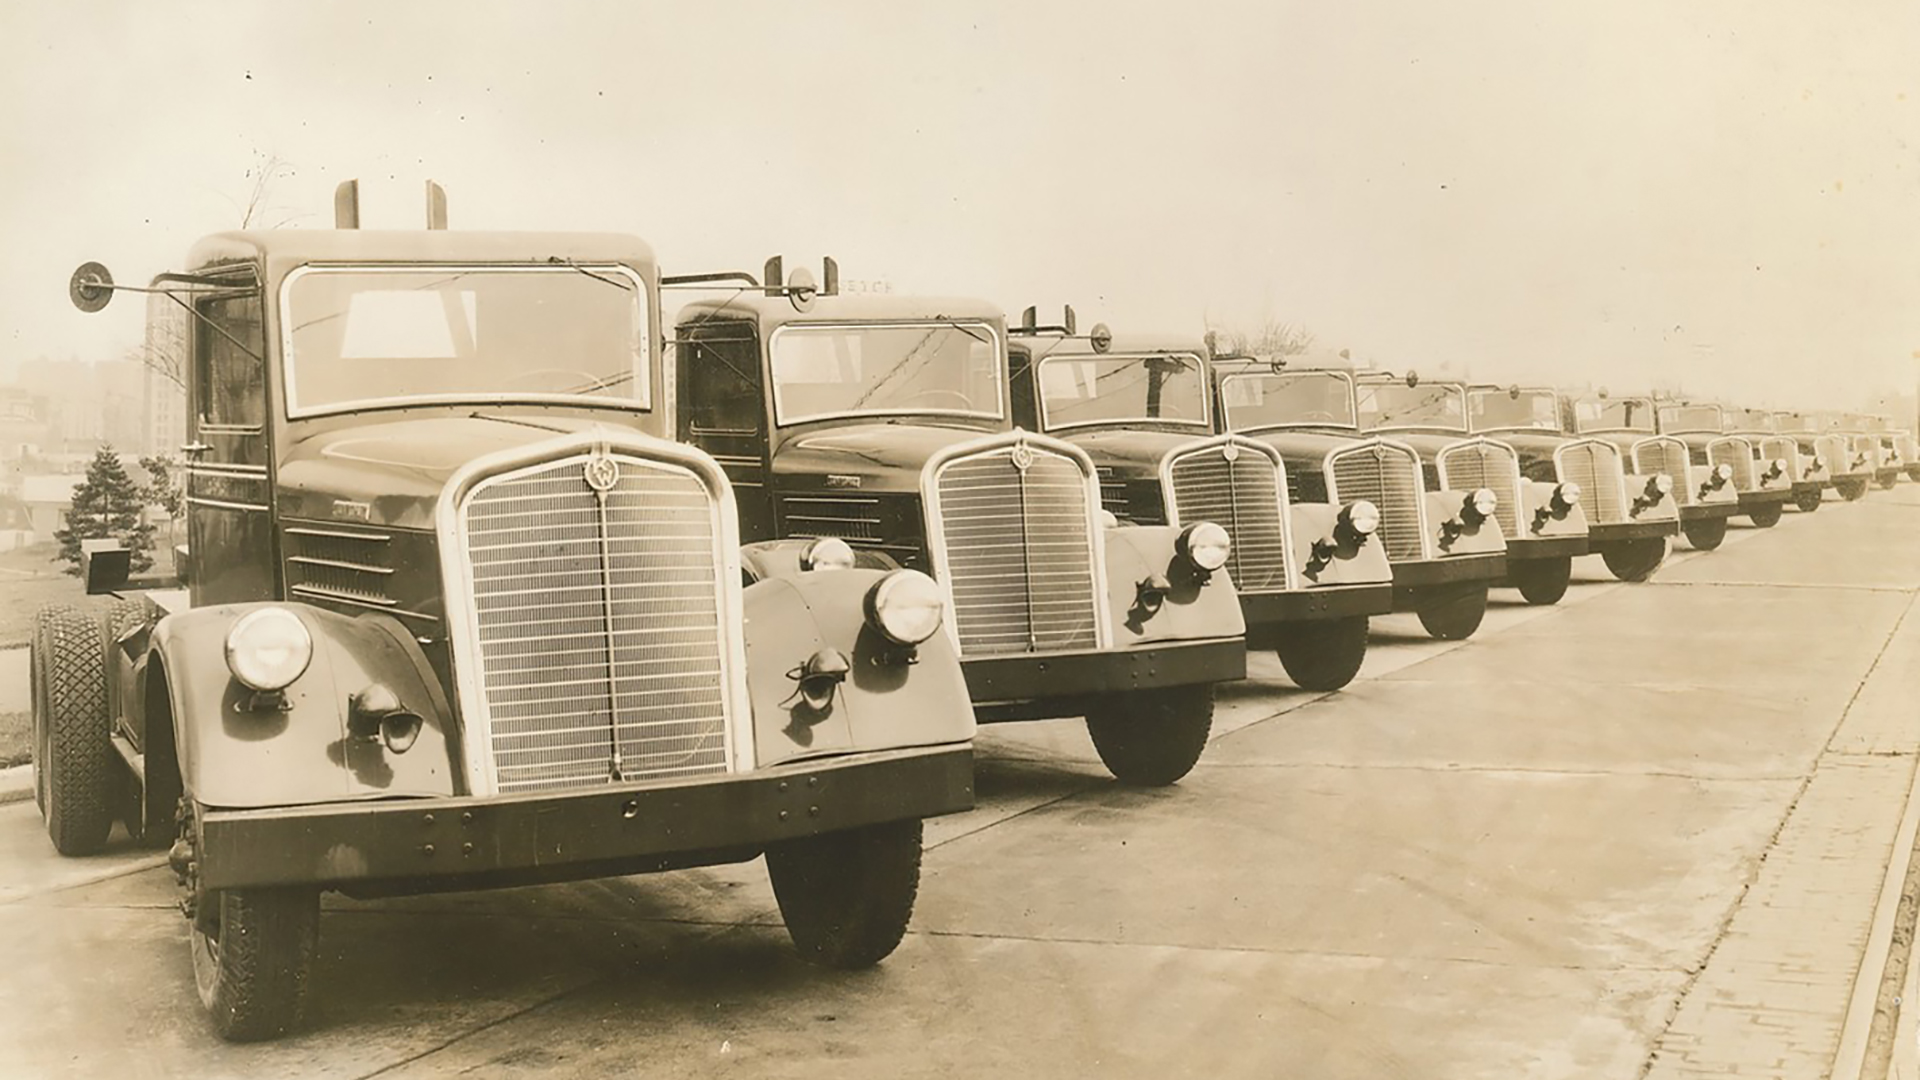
{"x":1022,"y":457}
{"x":602,"y":472}
{"x":1230,"y":452}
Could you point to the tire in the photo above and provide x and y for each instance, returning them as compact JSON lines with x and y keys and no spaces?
{"x":1152,"y":738}
{"x":252,"y":970}
{"x":1703,"y":534}
{"x":847,"y":896}
{"x":1808,"y":501}
{"x":1766,"y":515}
{"x":1852,"y":489}
{"x":1913,"y":473}
{"x":1324,"y":655}
{"x":1635,"y":560}
{"x":82,"y":787}
{"x":1886,"y":482}
{"x":39,"y":643}
{"x":1457,"y":615}
{"x":1541,"y":581}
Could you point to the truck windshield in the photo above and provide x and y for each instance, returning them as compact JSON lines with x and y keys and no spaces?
{"x":1796,"y":422}
{"x":1620,"y":414}
{"x":1078,"y":390}
{"x":1491,"y":409}
{"x":1307,"y":398}
{"x":1690,"y":418}
{"x":367,"y":336}
{"x":1753,"y":420}
{"x":823,"y":370}
{"x":1397,"y":405}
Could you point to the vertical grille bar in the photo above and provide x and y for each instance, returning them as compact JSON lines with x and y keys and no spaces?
{"x":1388,"y":477}
{"x":597,"y":625}
{"x":1470,"y":465}
{"x":1242,"y":495}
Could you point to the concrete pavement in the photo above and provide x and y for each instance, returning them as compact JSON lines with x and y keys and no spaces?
{"x":1648,"y":831}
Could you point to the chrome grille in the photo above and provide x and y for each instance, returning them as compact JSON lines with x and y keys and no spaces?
{"x":1388,"y":477}
{"x":1866,"y":454}
{"x":1243,"y":495}
{"x":1595,"y":466}
{"x":1019,"y":552}
{"x":1834,"y":451}
{"x":1467,"y":466}
{"x":1668,"y":456}
{"x":1736,"y":453}
{"x":597,"y":621}
{"x":1778,"y":449}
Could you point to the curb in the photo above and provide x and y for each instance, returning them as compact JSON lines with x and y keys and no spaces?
{"x":16,"y":784}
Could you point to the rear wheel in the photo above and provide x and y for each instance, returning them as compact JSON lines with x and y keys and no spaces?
{"x":1152,"y":737}
{"x":1852,"y":489}
{"x":1635,"y":560}
{"x":252,"y":959}
{"x":82,"y":787}
{"x":1541,"y":581}
{"x":1324,"y":655}
{"x":1808,"y":501}
{"x":1766,"y":515}
{"x":1456,"y":615}
{"x":847,"y":896}
{"x":1703,"y":534}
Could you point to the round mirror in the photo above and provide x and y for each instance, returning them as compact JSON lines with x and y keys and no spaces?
{"x":90,"y":287}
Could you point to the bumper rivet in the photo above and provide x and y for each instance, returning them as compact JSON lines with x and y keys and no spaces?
{"x":631,"y":810}
{"x":783,"y":815}
{"x":466,"y":849}
{"x":813,"y":781}
{"x":813,"y":811}
{"x":466,"y":817}
{"x":426,"y":849}
{"x":783,"y":785}
{"x":427,"y":819}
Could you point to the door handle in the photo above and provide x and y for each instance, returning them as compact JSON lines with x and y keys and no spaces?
{"x":195,"y":449}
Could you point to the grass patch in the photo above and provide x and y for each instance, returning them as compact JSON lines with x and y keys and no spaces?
{"x":16,"y":739}
{"x":21,"y":597}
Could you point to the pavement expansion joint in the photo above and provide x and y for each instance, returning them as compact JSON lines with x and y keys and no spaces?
{"x":1515,"y":770}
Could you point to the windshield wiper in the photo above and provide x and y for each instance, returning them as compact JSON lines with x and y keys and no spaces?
{"x":600,"y":384}
{"x":555,"y":260}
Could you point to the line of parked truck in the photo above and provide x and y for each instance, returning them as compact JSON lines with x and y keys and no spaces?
{"x":495,"y":578}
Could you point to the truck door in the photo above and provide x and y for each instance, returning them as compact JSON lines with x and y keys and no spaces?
{"x":722,"y":410}
{"x":230,"y":543}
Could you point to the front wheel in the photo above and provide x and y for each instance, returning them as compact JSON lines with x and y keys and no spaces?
{"x":1913,"y":473}
{"x":1456,"y":616}
{"x":1886,"y":482}
{"x":252,"y":958}
{"x":1807,"y":501}
{"x":1152,"y":737}
{"x":847,"y":896}
{"x":1324,"y":655}
{"x":1852,"y":489}
{"x":1703,"y":534}
{"x":1766,"y":515}
{"x":1541,"y":581}
{"x":1635,"y":560}
{"x":80,"y":794}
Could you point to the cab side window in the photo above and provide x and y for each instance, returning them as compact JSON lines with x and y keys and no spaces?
{"x":722,"y":373}
{"x":232,"y":379}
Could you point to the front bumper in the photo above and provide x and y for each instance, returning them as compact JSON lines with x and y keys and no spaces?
{"x":1633,"y":530}
{"x":1762,"y":498}
{"x":1709,"y":511}
{"x":1059,"y":684}
{"x":1546,"y":547}
{"x":1426,"y":573}
{"x":470,"y":841}
{"x":1314,"y":604}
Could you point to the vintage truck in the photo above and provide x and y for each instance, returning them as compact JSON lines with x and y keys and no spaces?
{"x":1630,"y":515}
{"x":1445,"y":546}
{"x":1763,"y":486}
{"x":456,"y":615}
{"x":1704,"y":490}
{"x":1542,"y":521}
{"x":1818,"y":448}
{"x":1777,"y":459}
{"x":876,"y":430}
{"x":1858,"y":466}
{"x":1894,"y":450}
{"x":1309,"y":574}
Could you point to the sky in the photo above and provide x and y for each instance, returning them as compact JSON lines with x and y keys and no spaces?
{"x":1722,"y":195}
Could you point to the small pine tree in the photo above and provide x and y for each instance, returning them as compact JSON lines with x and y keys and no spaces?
{"x":107,"y":504}
{"x":161,"y":491}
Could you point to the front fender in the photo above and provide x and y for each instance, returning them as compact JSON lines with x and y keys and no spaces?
{"x":781,"y":559}
{"x":1452,"y":535}
{"x":1644,"y":503}
{"x":1192,"y":608}
{"x":886,"y":701}
{"x":235,"y":757}
{"x":1347,"y":562}
{"x":1541,"y":517}
{"x":1700,"y":482}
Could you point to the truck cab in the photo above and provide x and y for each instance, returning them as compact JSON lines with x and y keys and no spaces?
{"x":459,"y":614}
{"x":1630,"y":516}
{"x":878,"y":430}
{"x":1763,"y":486}
{"x":1820,"y":451}
{"x":1543,"y":522}
{"x":1445,"y":546}
{"x":1704,"y":490}
{"x":1140,"y":406}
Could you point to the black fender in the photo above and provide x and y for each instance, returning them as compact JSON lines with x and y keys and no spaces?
{"x":781,"y":559}
{"x":891,"y":698}
{"x":236,"y":756}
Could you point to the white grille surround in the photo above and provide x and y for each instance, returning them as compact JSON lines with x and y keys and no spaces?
{"x":555,"y":672}
{"x":1481,"y":462}
{"x":1388,"y":474}
{"x":1666,"y":454}
{"x":1013,"y":537}
{"x":1595,"y":465}
{"x":1736,"y":453}
{"x":1241,"y":485}
{"x":1777,"y":448}
{"x":1835,"y":453}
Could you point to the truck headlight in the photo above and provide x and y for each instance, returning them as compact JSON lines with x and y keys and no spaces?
{"x":1479,"y":506}
{"x":1567,"y":495}
{"x":906,"y":607}
{"x":1819,"y":463}
{"x":1360,"y":517}
{"x":268,"y":648}
{"x":1722,"y":474}
{"x":1659,"y":485}
{"x":1205,"y":545}
{"x":1108,"y":520}
{"x":827,"y":553}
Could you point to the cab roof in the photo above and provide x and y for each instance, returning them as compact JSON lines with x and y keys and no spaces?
{"x":283,"y":249}
{"x":770,"y":312}
{"x":1044,"y":344}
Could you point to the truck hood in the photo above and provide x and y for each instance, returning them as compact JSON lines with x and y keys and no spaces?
{"x":1131,"y":454}
{"x":865,"y":457}
{"x":390,"y":473}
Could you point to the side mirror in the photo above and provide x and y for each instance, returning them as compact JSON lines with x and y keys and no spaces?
{"x":90,"y":287}
{"x":1413,"y":378}
{"x":104,"y":565}
{"x":1099,"y":337}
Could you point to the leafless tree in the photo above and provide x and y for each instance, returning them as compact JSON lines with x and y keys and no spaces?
{"x":1273,"y":338}
{"x":260,"y":212}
